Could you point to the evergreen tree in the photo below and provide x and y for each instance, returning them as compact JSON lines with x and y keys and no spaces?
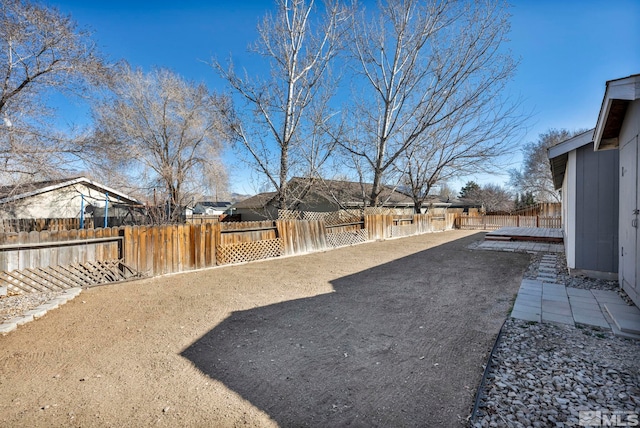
{"x":469,"y":189}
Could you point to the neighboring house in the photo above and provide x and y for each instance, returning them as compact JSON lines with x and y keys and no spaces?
{"x":65,"y":198}
{"x":464,"y":205}
{"x":436,"y":205}
{"x":320,"y":196}
{"x":588,"y":183}
{"x":255,"y":208}
{"x":208,"y":208}
{"x":618,"y":127}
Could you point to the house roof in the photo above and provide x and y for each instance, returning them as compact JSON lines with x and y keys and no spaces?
{"x":343,"y":193}
{"x":559,"y":155}
{"x":463,"y":203}
{"x":14,"y":193}
{"x":617,"y":96}
{"x":202,"y":206}
{"x":257,"y":201}
{"x":439,"y":201}
{"x":211,"y":204}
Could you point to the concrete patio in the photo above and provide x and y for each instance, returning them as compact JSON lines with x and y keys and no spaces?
{"x":543,"y":300}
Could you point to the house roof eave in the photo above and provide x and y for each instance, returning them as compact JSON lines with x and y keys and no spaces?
{"x":558,"y":167}
{"x":618,"y":94}
{"x":570,"y":144}
{"x":559,"y":155}
{"x":70,"y":182}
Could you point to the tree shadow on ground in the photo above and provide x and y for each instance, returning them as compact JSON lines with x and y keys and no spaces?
{"x":400,"y":344}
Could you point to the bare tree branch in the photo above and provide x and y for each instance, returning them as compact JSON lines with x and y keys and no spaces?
{"x":535,"y":176}
{"x":283,"y":128}
{"x":40,"y":50}
{"x":431,"y":70}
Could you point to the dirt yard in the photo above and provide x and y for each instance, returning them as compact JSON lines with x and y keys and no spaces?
{"x":390,"y":333}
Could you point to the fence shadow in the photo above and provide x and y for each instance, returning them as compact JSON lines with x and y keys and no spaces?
{"x":400,"y":344}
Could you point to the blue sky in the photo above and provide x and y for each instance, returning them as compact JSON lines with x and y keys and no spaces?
{"x":567,"y":49}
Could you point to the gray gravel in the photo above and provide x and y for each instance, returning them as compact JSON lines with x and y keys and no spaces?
{"x":15,"y":305}
{"x":544,"y":375}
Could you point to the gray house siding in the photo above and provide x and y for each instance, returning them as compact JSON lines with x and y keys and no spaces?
{"x":596,"y":210}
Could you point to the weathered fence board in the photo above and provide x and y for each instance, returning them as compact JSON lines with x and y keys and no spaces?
{"x":41,"y":224}
{"x":26,"y":250}
{"x":378,"y":226}
{"x":299,"y":237}
{"x":203,"y":219}
{"x":157,"y":250}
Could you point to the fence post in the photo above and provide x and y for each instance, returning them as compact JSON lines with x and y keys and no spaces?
{"x":81,"y":211}
{"x":106,"y":209}
{"x":127,"y":252}
{"x":216,"y":238}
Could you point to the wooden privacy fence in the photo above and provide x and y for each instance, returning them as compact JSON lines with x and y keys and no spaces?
{"x":200,"y":219}
{"x":59,"y":260}
{"x":157,"y":250}
{"x":40,"y":224}
{"x":542,"y":209}
{"x":380,"y":226}
{"x":48,"y":259}
{"x":492,"y":222}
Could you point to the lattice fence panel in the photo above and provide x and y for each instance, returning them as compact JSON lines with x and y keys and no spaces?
{"x":289,"y":215}
{"x":312,"y":215}
{"x":58,"y":278}
{"x":334,"y":217}
{"x":389,"y":211}
{"x":248,"y":251}
{"x":341,"y":217}
{"x":341,"y":239}
{"x":405,"y":230}
{"x":379,"y":210}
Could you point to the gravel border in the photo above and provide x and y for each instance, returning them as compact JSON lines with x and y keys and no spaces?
{"x":545,"y":374}
{"x":15,"y":305}
{"x":19,"y":309}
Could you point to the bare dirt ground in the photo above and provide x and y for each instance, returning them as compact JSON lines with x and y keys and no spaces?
{"x":390,"y":333}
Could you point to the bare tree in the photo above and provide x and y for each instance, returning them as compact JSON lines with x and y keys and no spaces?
{"x":535,"y":176}
{"x":430,"y":70}
{"x":162,"y":131}
{"x":492,"y":197}
{"x":40,"y":50}
{"x":216,"y":178}
{"x":283,"y":127}
{"x":445,"y":191}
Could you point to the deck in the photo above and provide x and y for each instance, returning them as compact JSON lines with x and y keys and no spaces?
{"x":536,"y":234}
